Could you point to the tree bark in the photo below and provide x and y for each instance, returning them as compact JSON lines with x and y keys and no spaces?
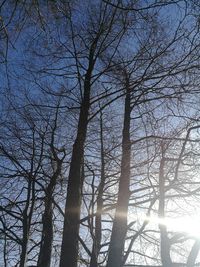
{"x":23,"y":256}
{"x":26,"y":221}
{"x":120,"y":221}
{"x":69,"y":248}
{"x":98,"y":227}
{"x":164,"y":240}
{"x":44,"y":258}
{"x":193,"y":254}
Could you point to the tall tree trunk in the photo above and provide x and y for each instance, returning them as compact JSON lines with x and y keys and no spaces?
{"x":120,"y":221}
{"x":98,"y":228}
{"x":69,"y":248}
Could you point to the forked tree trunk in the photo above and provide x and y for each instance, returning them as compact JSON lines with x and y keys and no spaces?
{"x":44,"y":258}
{"x":120,"y":221}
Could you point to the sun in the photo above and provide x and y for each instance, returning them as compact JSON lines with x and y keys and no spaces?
{"x":187,"y":224}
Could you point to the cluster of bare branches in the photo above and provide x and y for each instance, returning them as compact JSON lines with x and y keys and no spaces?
{"x":99,"y":133}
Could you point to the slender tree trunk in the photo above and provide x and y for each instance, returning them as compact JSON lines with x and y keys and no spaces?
{"x":98,"y":227}
{"x":193,"y":254}
{"x":164,"y":240}
{"x":5,"y":251}
{"x":120,"y":221}
{"x":44,"y":258}
{"x":69,"y":249}
{"x":26,"y":226}
{"x":23,"y":255}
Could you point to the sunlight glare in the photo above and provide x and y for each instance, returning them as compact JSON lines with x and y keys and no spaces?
{"x":187,"y":225}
